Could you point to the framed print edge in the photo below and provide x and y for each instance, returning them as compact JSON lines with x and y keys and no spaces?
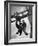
{"x":5,"y":23}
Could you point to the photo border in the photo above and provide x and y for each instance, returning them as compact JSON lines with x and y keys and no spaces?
{"x":6,"y":10}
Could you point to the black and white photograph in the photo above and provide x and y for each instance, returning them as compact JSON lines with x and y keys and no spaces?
{"x":20,"y":20}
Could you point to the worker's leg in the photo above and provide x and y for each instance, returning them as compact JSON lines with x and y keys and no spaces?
{"x":25,"y":32}
{"x":20,"y":31}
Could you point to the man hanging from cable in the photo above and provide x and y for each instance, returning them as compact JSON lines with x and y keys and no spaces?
{"x":22,"y":25}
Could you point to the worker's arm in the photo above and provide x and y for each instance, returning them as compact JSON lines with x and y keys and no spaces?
{"x":17,"y":25}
